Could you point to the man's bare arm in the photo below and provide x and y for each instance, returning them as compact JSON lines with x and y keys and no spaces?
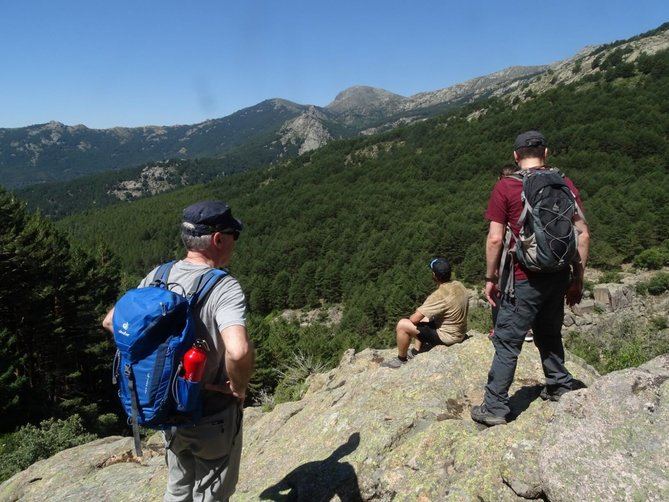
{"x":493,"y":248}
{"x":583,"y":242}
{"x":239,"y":358}
{"x":493,"y":253}
{"x":575,"y":290}
{"x":107,"y":322}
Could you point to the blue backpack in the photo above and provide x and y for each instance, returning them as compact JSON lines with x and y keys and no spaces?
{"x":153,"y":329}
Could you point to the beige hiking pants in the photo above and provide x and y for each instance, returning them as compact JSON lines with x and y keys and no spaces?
{"x":203,"y":461}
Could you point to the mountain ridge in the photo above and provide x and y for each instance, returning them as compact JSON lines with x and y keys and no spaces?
{"x":73,"y":151}
{"x":277,"y":128}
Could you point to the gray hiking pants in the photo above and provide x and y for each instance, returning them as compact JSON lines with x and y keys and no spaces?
{"x":203,"y":461}
{"x":538,"y":304}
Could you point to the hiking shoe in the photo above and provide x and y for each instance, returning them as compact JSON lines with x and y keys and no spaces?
{"x":394,"y":363}
{"x":412,"y":353}
{"x":554,"y":394}
{"x":481,"y":415}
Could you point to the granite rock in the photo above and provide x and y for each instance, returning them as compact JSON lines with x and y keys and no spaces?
{"x":365,"y":432}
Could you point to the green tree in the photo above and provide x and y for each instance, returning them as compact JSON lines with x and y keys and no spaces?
{"x":52,"y":350}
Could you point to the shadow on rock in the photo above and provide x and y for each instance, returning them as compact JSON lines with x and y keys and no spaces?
{"x":522,"y":399}
{"x":320,"y":480}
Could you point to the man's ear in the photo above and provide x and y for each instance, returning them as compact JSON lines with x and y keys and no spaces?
{"x":216,"y":239}
{"x":546,"y":153}
{"x":516,"y":157}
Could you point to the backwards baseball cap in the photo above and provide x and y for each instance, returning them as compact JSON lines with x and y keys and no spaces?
{"x":529,"y":138}
{"x":441,"y":267}
{"x":210,"y":216}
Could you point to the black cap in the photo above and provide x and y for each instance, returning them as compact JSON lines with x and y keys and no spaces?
{"x":530,"y":138}
{"x":209,"y":216}
{"x":441,"y":268}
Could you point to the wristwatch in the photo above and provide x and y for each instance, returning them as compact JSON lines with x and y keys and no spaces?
{"x":490,"y":279}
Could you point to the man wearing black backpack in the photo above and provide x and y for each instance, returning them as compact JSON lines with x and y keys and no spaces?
{"x":203,"y":460}
{"x":536,"y":252}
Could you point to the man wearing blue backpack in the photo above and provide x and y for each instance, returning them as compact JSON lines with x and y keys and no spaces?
{"x":203,"y":451}
{"x":537,"y":236}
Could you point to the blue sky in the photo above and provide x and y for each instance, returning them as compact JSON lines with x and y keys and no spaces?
{"x":122,"y":63}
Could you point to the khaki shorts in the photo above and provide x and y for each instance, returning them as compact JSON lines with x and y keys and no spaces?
{"x":203,"y":461}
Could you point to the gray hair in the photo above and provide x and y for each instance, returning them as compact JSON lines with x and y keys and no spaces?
{"x":194,"y":242}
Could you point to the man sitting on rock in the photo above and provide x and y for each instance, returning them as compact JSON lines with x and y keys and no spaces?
{"x":440,"y":320}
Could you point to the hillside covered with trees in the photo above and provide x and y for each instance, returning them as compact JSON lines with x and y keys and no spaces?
{"x":357,"y":220}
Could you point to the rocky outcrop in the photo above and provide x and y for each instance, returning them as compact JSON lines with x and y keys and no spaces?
{"x":498,"y":82}
{"x":324,"y":316}
{"x":152,"y":180}
{"x":612,"y":304}
{"x":365,"y":432}
{"x":613,"y":296}
{"x":372,"y":151}
{"x":361,"y":431}
{"x":104,"y":469}
{"x":612,"y":439}
{"x":307,"y":131}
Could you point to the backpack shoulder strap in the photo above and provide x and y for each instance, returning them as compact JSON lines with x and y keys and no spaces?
{"x":579,"y":209}
{"x":506,"y":264}
{"x":518,"y":175}
{"x":163,"y":272}
{"x":205,"y":284}
{"x":524,"y":176}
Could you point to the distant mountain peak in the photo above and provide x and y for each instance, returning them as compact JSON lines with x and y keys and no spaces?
{"x":53,"y":124}
{"x":283,"y":103}
{"x":363,"y":90}
{"x":361,"y":97}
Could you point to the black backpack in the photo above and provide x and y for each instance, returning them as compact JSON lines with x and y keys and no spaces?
{"x":547,"y":241}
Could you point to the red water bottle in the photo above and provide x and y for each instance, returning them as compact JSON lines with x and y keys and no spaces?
{"x":195,"y":360}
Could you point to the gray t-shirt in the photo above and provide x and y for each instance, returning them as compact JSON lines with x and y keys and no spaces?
{"x":224,"y":306}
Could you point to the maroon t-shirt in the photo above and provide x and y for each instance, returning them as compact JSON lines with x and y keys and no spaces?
{"x":505,"y":207}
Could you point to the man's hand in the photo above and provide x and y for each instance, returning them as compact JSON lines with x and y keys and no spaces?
{"x":574,"y":292}
{"x":238,"y":393}
{"x":491,"y":292}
